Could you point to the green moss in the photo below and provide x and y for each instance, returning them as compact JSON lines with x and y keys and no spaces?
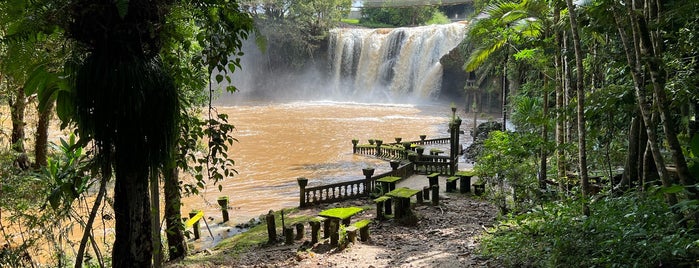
{"x":340,"y":213}
{"x":403,"y":192}
{"x":389,"y":179}
{"x":466,"y":173}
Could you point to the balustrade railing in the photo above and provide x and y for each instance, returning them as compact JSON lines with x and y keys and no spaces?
{"x":349,"y":189}
{"x":419,"y":163}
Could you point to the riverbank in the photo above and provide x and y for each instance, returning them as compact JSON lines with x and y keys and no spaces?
{"x":443,"y":236}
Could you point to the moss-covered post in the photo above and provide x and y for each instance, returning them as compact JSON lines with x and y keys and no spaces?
{"x":288,"y":235}
{"x":454,"y":129}
{"x":299,"y":231}
{"x":195,"y":225}
{"x":315,"y":231}
{"x":223,"y":202}
{"x":368,"y":187}
{"x":422,"y":139}
{"x":435,"y":195}
{"x":378,"y":146}
{"x":271,"y":227}
{"x":302,"y":191}
{"x":426,"y":192}
{"x":354,"y":145}
{"x":420,"y":150}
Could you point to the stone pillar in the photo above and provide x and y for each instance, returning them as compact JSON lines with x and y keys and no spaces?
{"x":378,"y":147}
{"x":271,"y":228}
{"x":354,"y":145}
{"x":435,"y":195}
{"x":422,"y":139}
{"x":326,"y":228}
{"x":426,"y":192}
{"x":299,"y":231}
{"x":368,"y":187}
{"x":195,"y":226}
{"x":315,"y":231}
{"x":334,"y":232}
{"x":465,"y":184}
{"x":223,"y":202}
{"x":454,"y":129}
{"x":302,"y":193}
{"x":288,"y":235}
{"x":398,"y":139}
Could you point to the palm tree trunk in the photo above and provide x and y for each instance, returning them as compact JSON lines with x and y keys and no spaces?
{"x":133,"y":246}
{"x":582,"y":152}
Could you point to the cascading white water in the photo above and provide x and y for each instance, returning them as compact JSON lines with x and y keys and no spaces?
{"x":391,"y":62}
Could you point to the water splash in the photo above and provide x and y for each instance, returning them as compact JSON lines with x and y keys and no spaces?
{"x":391,"y":62}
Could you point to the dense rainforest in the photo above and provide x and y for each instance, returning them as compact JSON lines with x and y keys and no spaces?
{"x":596,"y":164}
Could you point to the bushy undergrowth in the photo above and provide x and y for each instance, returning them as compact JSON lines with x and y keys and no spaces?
{"x":629,"y":231}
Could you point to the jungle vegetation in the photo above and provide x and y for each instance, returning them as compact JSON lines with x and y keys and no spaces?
{"x":599,"y":165}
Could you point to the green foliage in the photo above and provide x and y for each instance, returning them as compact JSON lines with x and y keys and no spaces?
{"x":398,"y":17}
{"x":506,"y":164}
{"x":295,"y":30}
{"x":68,"y":175}
{"x":633,"y":230}
{"x":438,"y":18}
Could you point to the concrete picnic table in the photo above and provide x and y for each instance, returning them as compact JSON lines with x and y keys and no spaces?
{"x":402,"y":203}
{"x":334,"y":216}
{"x":465,"y":181}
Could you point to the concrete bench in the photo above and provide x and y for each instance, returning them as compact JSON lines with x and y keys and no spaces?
{"x":381,"y":203}
{"x":362,"y":226}
{"x":433,"y":179}
{"x":451,"y":183}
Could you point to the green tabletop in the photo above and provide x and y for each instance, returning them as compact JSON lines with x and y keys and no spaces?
{"x":389,"y":179}
{"x":340,"y":213}
{"x":466,"y":173}
{"x":403,"y":192}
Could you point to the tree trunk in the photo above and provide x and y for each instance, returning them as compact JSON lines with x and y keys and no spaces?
{"x":560,"y":104}
{"x":42,"y":136}
{"x":630,"y":171}
{"x":544,"y":138}
{"x":106,"y":174}
{"x":632,"y":50}
{"x":177,"y":246}
{"x":17,"y":107}
{"x":155,"y":215}
{"x":652,"y":57}
{"x":133,"y":246}
{"x":582,"y":152}
{"x":504,"y":91}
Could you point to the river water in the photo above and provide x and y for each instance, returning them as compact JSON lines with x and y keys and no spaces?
{"x":279,"y":142}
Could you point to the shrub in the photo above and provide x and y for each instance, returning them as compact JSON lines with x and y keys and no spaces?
{"x":629,"y":231}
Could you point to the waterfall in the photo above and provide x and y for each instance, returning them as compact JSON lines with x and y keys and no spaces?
{"x":391,"y":62}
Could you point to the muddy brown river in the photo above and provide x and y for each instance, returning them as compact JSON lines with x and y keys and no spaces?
{"x":279,"y":142}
